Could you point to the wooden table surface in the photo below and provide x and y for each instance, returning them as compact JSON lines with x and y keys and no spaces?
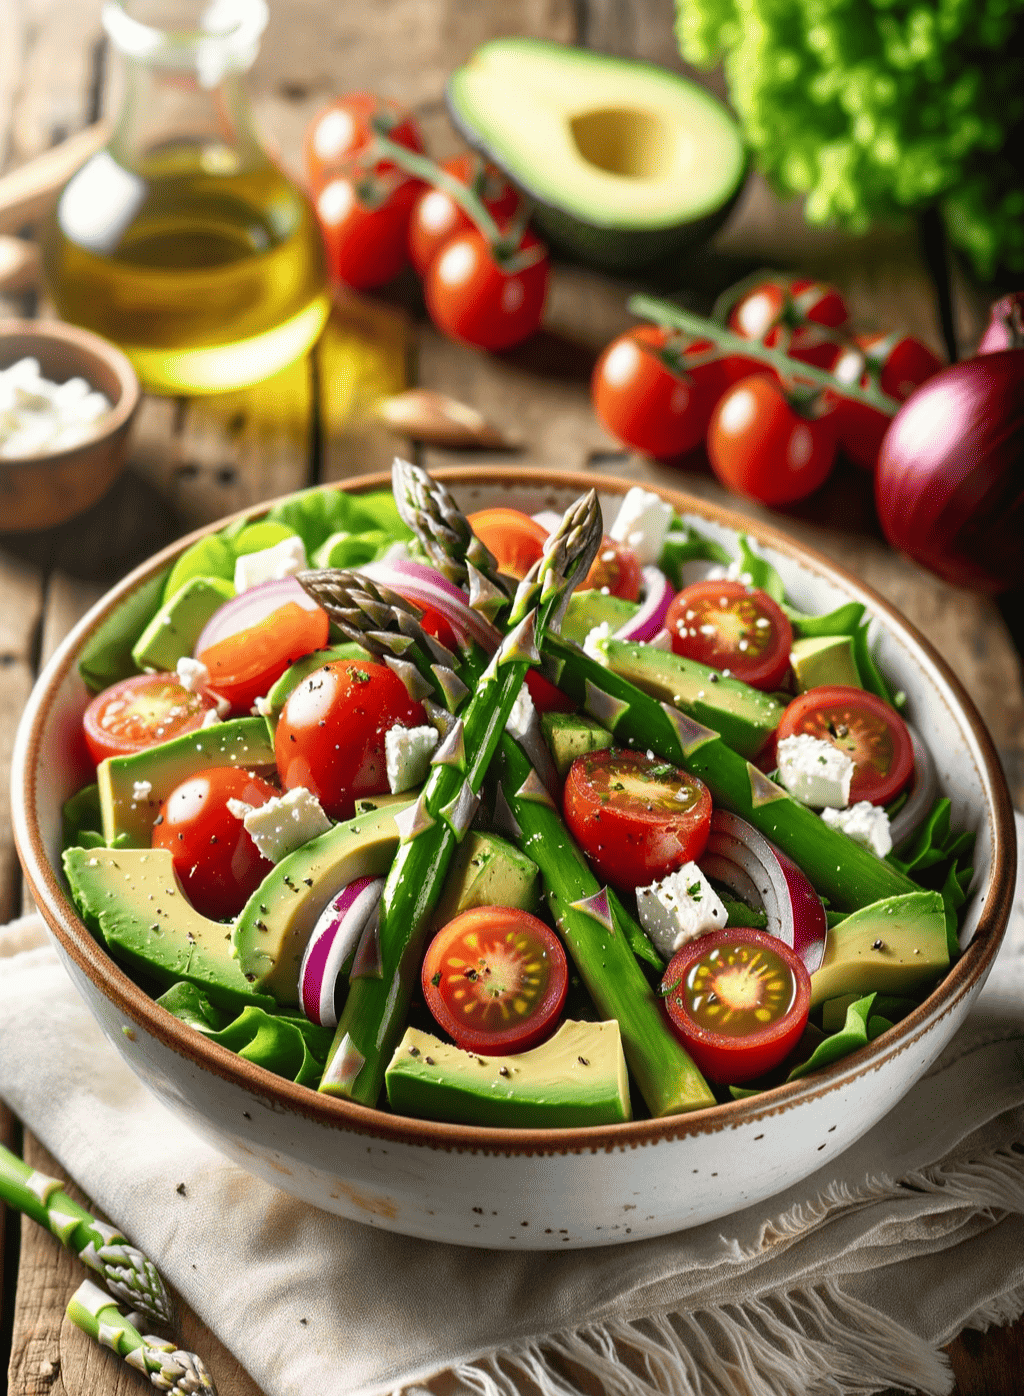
{"x":193,"y":461}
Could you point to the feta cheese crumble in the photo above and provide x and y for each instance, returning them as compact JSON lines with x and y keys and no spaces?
{"x":37,"y":416}
{"x":193,"y":674}
{"x":523,"y":714}
{"x":814,"y":771}
{"x":642,"y":522}
{"x":865,"y":823}
{"x":680,"y":908}
{"x":284,"y":559}
{"x":407,"y":752}
{"x":284,"y":823}
{"x":141,"y":790}
{"x":593,"y":645}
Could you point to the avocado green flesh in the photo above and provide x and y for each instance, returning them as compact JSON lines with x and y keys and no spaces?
{"x":275,"y":924}
{"x":488,"y":871}
{"x":589,"y":608}
{"x":624,"y":160}
{"x":894,"y":946}
{"x":132,"y":899}
{"x":569,"y":735}
{"x":178,"y":624}
{"x":824,"y":659}
{"x":743,"y":716}
{"x":577,"y":1078}
{"x":128,"y":817}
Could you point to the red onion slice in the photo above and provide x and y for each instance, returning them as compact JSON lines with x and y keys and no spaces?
{"x":334,"y":940}
{"x":922,"y":792}
{"x":650,"y":618}
{"x":426,"y":587}
{"x":251,"y":607}
{"x":743,"y":859}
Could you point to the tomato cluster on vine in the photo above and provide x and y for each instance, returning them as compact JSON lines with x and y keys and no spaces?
{"x":772,"y":428}
{"x":382,"y":204}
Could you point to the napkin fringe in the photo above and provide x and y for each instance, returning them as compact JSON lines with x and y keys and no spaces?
{"x":784,"y":1344}
{"x":997,"y":1311}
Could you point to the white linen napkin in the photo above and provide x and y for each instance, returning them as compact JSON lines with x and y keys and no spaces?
{"x":849,"y":1282}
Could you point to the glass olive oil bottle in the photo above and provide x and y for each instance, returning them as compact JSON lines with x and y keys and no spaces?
{"x":181,"y":240}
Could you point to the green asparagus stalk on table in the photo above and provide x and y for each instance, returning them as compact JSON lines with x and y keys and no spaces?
{"x":167,"y":1367}
{"x":372,"y":1019}
{"x":127,"y":1273}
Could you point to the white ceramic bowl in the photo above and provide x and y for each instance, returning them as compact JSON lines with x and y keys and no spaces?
{"x":532,"y":1188}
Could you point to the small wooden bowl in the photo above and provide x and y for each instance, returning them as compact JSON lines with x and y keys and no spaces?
{"x":42,"y":490}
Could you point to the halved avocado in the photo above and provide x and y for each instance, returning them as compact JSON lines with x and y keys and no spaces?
{"x":627,"y":163}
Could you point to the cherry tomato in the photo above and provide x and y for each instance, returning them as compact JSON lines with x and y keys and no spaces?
{"x":738,"y":1001}
{"x":245,"y":665}
{"x":216,"y":861}
{"x":864,"y":726}
{"x":785,"y":315}
{"x":495,"y":979}
{"x":727,"y":625}
{"x":330,"y":736}
{"x":436,"y":216}
{"x":761,"y":448}
{"x":342,"y":129}
{"x":615,"y":571}
{"x":903,"y":363}
{"x":434,"y":623}
{"x":139,"y":712}
{"x":516,"y":540}
{"x":640,"y":403}
{"x":365,"y":239}
{"x":473,"y":300}
{"x":636,"y":818}
{"x":546,"y":696}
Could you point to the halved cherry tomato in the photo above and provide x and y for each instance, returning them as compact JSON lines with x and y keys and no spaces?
{"x":516,"y":540}
{"x":139,"y":712}
{"x":786,"y":314}
{"x":902,"y":363}
{"x":216,"y":861}
{"x":365,"y":228}
{"x":738,"y":1001}
{"x":437,"y":217}
{"x":760,"y":447}
{"x":727,"y":625}
{"x":495,"y":979}
{"x":614,"y":571}
{"x":473,"y":299}
{"x":643,"y":405}
{"x":636,"y":818}
{"x":343,"y":128}
{"x":330,"y":736}
{"x":245,"y":665}
{"x":862,"y":725}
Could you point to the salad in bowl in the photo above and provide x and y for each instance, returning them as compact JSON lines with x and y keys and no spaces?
{"x":514,"y":833}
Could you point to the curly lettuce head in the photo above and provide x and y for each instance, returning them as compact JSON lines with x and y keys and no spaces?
{"x":873,"y":109}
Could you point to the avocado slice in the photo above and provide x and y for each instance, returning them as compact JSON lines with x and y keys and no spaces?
{"x":487,"y":871}
{"x":129,"y":807}
{"x":894,"y":946}
{"x":626,"y":163}
{"x":177,"y":625}
{"x":824,"y":659}
{"x":569,"y":735}
{"x":743,"y":716}
{"x":273,"y":927}
{"x":578,"y":1077}
{"x":593,"y":607}
{"x":132,"y":899}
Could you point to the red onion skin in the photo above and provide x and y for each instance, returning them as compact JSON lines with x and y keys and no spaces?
{"x":949,"y":485}
{"x":1006,"y":325}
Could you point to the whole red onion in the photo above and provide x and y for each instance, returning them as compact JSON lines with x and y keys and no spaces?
{"x":1006,"y":325}
{"x":949,"y":485}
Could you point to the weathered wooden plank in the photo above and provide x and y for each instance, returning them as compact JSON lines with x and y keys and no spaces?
{"x":21,"y":590}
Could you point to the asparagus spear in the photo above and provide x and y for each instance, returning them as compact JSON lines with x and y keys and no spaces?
{"x":371,"y":1022}
{"x":596,"y":929}
{"x":845,"y":872}
{"x":128,"y":1274}
{"x":167,"y":1367}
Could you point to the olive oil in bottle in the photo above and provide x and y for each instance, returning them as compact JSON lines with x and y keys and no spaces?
{"x":180,"y":240}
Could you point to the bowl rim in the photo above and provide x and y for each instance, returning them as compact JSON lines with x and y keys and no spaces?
{"x":78,"y":943}
{"x":90,"y":347}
